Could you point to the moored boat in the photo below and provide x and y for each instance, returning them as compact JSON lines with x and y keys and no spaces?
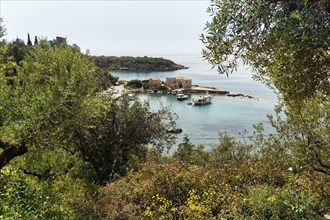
{"x":131,"y":97}
{"x":181,"y":96}
{"x":202,"y":100}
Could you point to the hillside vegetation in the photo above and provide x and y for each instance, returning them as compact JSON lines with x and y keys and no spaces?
{"x":136,"y":63}
{"x":66,"y":152}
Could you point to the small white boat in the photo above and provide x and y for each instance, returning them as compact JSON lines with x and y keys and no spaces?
{"x":202,"y":100}
{"x":181,"y":97}
{"x":131,"y":97}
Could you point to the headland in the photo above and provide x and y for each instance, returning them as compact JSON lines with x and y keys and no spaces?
{"x":128,"y":63}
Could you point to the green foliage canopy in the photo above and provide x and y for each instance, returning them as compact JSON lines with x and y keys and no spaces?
{"x":46,"y":97}
{"x":49,"y":108}
{"x":18,"y":49}
{"x":117,"y":140}
{"x":287,"y":43}
{"x":136,"y":63}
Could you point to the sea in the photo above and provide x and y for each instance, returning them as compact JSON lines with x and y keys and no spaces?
{"x":202,"y":124}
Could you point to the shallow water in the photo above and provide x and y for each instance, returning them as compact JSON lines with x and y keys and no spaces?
{"x":202,"y":124}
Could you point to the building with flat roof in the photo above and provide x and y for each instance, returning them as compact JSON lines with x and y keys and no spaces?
{"x":154,"y":81}
{"x":179,"y":82}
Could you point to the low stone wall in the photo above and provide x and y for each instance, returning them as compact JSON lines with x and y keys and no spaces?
{"x":205,"y":89}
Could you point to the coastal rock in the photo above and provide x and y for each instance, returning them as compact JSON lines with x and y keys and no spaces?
{"x":174,"y":130}
{"x":207,"y":89}
{"x":240,"y":95}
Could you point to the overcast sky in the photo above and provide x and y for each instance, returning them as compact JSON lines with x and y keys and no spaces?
{"x":111,"y":27}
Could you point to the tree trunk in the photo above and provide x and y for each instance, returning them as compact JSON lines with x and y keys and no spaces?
{"x":10,"y":151}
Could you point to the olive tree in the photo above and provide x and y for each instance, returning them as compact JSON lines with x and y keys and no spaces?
{"x":50,"y":112}
{"x":118,"y":140}
{"x":47,"y":94}
{"x":288,"y":45}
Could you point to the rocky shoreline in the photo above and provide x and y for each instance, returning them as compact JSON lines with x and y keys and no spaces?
{"x":195,"y":90}
{"x":241,"y":95}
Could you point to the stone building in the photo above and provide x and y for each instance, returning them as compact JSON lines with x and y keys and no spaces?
{"x":179,"y":82}
{"x":154,"y":81}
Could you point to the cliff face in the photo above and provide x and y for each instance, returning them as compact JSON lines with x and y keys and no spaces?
{"x":136,"y":63}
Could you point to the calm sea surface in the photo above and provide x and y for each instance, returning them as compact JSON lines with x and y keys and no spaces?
{"x":202,"y":124}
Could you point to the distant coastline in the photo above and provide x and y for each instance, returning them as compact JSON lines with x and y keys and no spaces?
{"x":136,"y":63}
{"x":129,"y":64}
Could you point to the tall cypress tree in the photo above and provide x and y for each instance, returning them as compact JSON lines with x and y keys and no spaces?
{"x":35,"y":40}
{"x":29,"y":42}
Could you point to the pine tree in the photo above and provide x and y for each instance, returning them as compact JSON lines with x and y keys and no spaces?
{"x":29,"y":42}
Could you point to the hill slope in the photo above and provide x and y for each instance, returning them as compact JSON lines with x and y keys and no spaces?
{"x":136,"y":63}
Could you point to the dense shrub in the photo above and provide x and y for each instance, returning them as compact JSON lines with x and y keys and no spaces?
{"x":24,"y":197}
{"x":184,"y":191}
{"x":135,"y":84}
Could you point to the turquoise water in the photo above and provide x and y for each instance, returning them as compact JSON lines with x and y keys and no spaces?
{"x":202,"y":124}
